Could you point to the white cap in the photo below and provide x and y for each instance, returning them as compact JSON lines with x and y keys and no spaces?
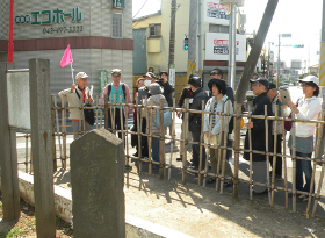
{"x":81,"y":75}
{"x":310,"y":79}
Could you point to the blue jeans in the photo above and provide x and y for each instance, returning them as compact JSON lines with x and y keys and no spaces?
{"x":303,"y":166}
{"x":155,"y":150}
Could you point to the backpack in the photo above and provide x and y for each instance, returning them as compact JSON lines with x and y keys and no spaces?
{"x":167,"y":118}
{"x":109,"y":90}
{"x":89,"y":113}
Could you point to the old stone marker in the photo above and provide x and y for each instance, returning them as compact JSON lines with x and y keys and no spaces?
{"x":97,"y":180}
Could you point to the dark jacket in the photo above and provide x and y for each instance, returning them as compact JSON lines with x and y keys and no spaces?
{"x":258,"y":132}
{"x":168,"y":93}
{"x":230,"y":93}
{"x":186,"y":93}
{"x":195,"y":119}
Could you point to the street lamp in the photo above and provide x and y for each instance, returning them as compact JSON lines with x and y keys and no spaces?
{"x":268,"y":60}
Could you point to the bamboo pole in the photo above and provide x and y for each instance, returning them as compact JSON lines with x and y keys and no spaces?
{"x":321,"y":177}
{"x":284,"y":161}
{"x":275,"y":153}
{"x":64,"y":133}
{"x":27,"y":149}
{"x":184,"y":158}
{"x":161,"y":140}
{"x":58,"y":129}
{"x":106,"y":116}
{"x":220,"y":152}
{"x":150,"y":133}
{"x":55,"y":166}
{"x":293,"y":128}
{"x":173,"y":140}
{"x":224,"y":123}
{"x":236,"y":147}
{"x":201,"y":148}
{"x":97,"y":126}
{"x":250,"y":155}
{"x":320,"y":135}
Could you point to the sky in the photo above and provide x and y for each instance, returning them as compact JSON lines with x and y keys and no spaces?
{"x":301,"y":19}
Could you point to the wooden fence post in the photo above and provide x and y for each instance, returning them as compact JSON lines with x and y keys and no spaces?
{"x":8,"y":161}
{"x":41,"y":131}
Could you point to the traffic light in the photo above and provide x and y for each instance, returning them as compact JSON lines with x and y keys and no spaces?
{"x":185,"y":43}
{"x":299,"y":46}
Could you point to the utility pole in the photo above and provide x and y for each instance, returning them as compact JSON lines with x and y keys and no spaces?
{"x":199,"y":37}
{"x":171,"y":53}
{"x":192,"y":34}
{"x":232,"y":45}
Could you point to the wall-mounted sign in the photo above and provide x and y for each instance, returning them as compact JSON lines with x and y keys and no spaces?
{"x":118,"y":3}
{"x":217,"y":47}
{"x":50,"y":17}
{"x":215,"y":13}
{"x":103,"y":80}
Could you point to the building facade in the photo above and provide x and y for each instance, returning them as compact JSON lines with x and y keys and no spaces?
{"x":99,"y":33}
{"x":215,"y":35}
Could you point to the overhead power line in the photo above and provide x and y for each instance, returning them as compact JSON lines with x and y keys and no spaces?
{"x":140,"y":9}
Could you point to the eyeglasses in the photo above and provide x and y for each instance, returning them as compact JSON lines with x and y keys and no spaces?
{"x":212,"y":74}
{"x":306,"y":85}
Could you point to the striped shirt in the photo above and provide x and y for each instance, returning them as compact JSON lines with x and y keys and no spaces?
{"x":303,"y":144}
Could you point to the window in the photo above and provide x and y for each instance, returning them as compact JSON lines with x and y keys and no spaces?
{"x":155,"y":29}
{"x":117,"y":25}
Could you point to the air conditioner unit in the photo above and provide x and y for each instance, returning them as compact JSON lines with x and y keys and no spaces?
{"x":240,"y":3}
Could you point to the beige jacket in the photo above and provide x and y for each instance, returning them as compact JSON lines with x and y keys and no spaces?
{"x":73,"y":101}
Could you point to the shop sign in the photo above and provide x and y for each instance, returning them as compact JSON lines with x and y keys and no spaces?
{"x":50,"y":17}
{"x":103,"y":80}
{"x":217,"y":47}
{"x":214,"y":12}
{"x":118,"y":3}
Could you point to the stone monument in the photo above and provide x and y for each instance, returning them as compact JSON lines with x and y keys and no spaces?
{"x":97,"y":180}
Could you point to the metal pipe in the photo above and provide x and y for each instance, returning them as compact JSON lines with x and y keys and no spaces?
{"x":232,"y":45}
{"x":199,"y":35}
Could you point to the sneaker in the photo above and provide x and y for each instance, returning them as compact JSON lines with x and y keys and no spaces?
{"x":302,"y":198}
{"x":227,"y":184}
{"x":264,"y":192}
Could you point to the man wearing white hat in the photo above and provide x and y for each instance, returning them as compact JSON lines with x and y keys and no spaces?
{"x":77,"y":96}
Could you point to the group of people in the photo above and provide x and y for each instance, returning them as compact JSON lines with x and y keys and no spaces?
{"x":300,"y":139}
{"x":220,"y":102}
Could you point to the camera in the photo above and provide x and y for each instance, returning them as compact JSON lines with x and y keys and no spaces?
{"x":160,"y":81}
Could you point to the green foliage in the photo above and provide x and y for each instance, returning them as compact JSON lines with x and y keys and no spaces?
{"x":16,"y":232}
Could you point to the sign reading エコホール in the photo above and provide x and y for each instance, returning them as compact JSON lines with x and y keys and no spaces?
{"x":57,"y":15}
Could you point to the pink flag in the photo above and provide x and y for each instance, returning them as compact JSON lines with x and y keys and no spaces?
{"x":67,"y":57}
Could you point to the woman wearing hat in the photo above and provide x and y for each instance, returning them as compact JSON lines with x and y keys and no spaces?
{"x":155,"y":97}
{"x":307,"y":108}
{"x":221,"y":104}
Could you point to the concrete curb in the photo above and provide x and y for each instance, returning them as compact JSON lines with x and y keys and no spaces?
{"x":134,"y":226}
